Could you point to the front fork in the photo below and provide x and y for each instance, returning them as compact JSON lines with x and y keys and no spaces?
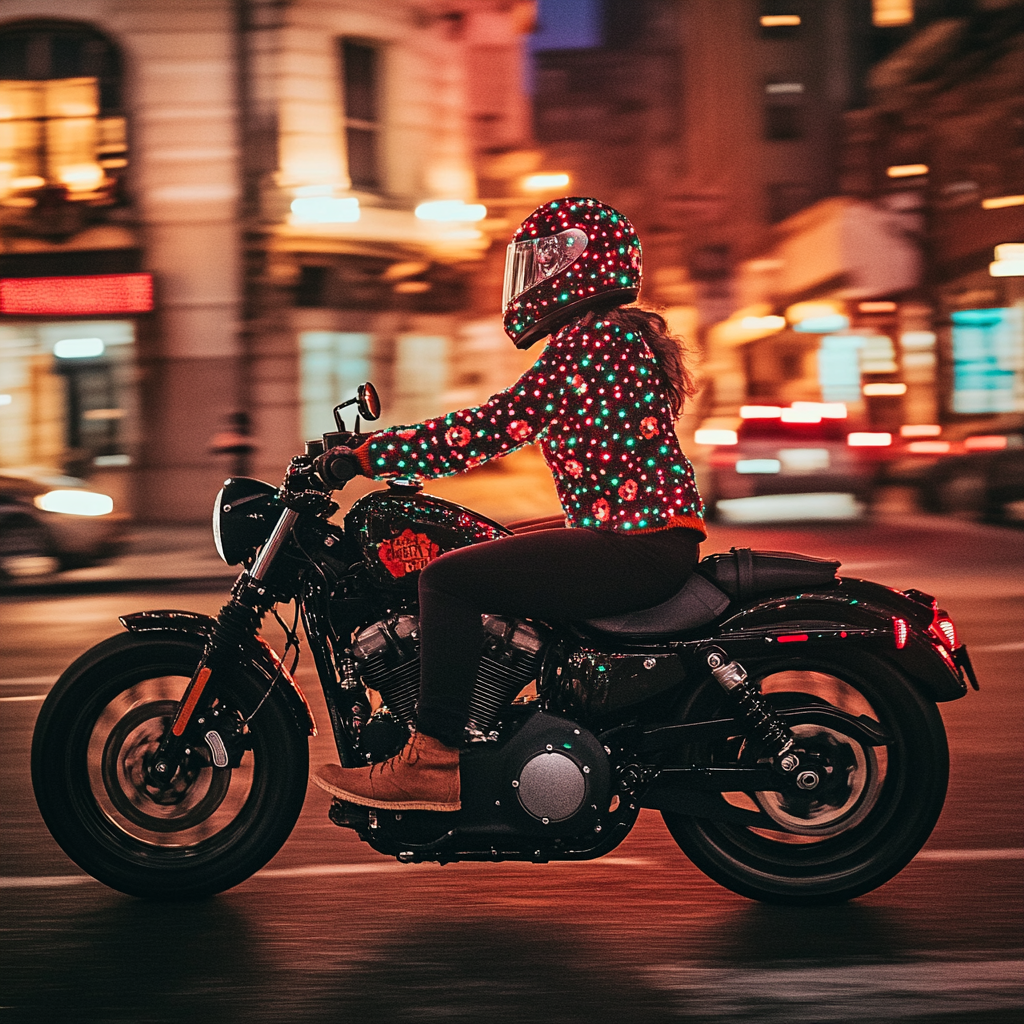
{"x":237,"y":623}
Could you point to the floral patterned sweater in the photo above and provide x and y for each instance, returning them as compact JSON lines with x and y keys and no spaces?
{"x":595,"y":403}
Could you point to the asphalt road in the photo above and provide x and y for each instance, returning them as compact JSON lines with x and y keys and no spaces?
{"x":331,"y":931}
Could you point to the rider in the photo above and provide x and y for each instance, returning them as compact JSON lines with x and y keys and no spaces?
{"x":601,"y":401}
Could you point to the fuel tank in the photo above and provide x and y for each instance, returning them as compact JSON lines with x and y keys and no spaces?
{"x":401,"y":530}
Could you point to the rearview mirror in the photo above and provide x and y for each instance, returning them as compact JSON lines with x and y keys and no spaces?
{"x":369,"y":401}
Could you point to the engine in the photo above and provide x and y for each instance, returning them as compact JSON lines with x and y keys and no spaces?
{"x":387,"y":656}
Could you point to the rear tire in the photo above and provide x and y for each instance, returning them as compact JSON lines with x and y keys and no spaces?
{"x":206,"y":833}
{"x":820,"y":852}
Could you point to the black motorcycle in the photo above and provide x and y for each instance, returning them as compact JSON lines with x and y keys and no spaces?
{"x":781,"y":718}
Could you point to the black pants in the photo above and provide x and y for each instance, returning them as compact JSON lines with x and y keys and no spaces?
{"x":552,"y":575}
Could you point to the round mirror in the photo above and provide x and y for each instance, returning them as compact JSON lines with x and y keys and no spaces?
{"x":369,"y":402}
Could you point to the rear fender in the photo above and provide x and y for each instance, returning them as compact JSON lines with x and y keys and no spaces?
{"x":856,"y":613}
{"x":260,"y":654}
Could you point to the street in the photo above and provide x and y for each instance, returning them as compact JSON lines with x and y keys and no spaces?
{"x":332,"y":931}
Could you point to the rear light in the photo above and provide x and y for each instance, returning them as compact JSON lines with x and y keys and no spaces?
{"x":866,"y":439}
{"x":944,"y":631}
{"x":901,"y":631}
{"x":985,"y":442}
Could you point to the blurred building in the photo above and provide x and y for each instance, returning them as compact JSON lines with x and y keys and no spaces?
{"x":882,"y":296}
{"x":217,"y":216}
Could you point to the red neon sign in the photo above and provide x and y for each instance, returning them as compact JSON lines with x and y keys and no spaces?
{"x":73,"y":296}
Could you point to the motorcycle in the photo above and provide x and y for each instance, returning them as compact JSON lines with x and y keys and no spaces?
{"x":781,"y":718}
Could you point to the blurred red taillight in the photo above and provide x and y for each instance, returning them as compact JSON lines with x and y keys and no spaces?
{"x":944,"y":631}
{"x":901,"y":631}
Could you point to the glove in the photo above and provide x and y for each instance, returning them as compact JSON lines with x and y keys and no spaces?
{"x":337,"y":466}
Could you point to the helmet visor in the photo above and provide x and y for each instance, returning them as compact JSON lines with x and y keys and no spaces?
{"x":535,"y":259}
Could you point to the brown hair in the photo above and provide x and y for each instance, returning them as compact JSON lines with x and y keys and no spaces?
{"x":669,"y":350}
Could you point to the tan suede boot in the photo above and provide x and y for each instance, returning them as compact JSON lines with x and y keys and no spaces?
{"x":423,"y":777}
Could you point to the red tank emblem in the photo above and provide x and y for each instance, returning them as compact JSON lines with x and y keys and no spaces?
{"x":407,"y":553}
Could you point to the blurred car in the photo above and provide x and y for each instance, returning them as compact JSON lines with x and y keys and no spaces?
{"x":972,"y":468}
{"x":981,"y":476}
{"x":804,"y":461}
{"x":50,"y":522}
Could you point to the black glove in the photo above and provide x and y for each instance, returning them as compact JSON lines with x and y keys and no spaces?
{"x":337,"y":466}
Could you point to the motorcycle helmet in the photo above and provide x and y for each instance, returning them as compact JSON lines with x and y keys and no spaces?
{"x":568,"y":256}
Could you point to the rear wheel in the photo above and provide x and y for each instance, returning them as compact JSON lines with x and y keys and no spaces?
{"x":209,"y":828}
{"x":848,"y":836}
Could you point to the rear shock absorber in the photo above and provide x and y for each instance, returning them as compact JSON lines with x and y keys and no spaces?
{"x":766,"y":726}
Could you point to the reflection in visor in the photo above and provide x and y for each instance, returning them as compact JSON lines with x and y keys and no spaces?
{"x":529,"y":262}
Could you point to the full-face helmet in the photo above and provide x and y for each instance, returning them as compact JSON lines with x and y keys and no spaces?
{"x":568,"y":256}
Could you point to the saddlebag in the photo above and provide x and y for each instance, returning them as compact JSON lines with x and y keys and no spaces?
{"x":743,"y":573}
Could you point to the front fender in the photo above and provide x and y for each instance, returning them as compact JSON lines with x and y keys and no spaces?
{"x":857,"y":612}
{"x":259,"y":652}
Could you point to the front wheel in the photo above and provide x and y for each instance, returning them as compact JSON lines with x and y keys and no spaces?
{"x":854,"y":834}
{"x":209,"y":828}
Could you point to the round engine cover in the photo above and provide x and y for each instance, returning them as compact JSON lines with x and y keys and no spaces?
{"x":551,"y":787}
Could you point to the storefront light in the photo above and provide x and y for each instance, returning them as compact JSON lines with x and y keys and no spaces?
{"x":78,"y":348}
{"x":325,"y":210}
{"x":451,"y":210}
{"x":906,"y":170}
{"x":1009,"y":261}
{"x":543,"y":182}
{"x":1001,"y":202}
{"x":883,"y":389}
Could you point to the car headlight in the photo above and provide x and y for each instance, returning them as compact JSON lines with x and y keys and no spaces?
{"x":75,"y":503}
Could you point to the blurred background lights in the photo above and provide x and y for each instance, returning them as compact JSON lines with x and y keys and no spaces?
{"x":780,"y":20}
{"x":768,"y":323}
{"x":883,"y":389}
{"x":906,"y":170}
{"x":5,"y":399}
{"x":715,"y":436}
{"x":890,"y":13}
{"x":75,"y":503}
{"x":877,"y":306}
{"x":78,"y":348}
{"x":869,"y":439}
{"x":817,"y":317}
{"x":1009,"y":261}
{"x":542,"y":182}
{"x":760,"y":412}
{"x":1001,"y":202}
{"x":920,"y":430}
{"x":451,"y":210}
{"x":929,"y":447}
{"x":325,"y":210}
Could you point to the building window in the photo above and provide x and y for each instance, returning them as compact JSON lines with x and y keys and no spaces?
{"x":63,"y":147}
{"x":333,"y":365}
{"x":361,"y":70}
{"x":783,"y":113}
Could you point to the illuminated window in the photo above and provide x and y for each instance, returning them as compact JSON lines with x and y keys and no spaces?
{"x":988,"y":360}
{"x":62,"y":130}
{"x":890,"y":13}
{"x":360,"y":65}
{"x":333,"y":365}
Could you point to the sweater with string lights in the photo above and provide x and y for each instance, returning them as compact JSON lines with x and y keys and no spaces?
{"x":595,"y":403}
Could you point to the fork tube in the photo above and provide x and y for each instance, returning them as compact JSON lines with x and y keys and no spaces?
{"x":274,"y":543}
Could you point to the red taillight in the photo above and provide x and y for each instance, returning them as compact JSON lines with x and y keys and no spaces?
{"x":944,"y":630}
{"x":901,"y":631}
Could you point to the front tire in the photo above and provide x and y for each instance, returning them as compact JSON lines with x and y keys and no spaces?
{"x":807,"y":852}
{"x":212,"y":827}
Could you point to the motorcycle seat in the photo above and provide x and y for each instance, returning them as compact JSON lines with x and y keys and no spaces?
{"x":699,"y":602}
{"x":719,"y":580}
